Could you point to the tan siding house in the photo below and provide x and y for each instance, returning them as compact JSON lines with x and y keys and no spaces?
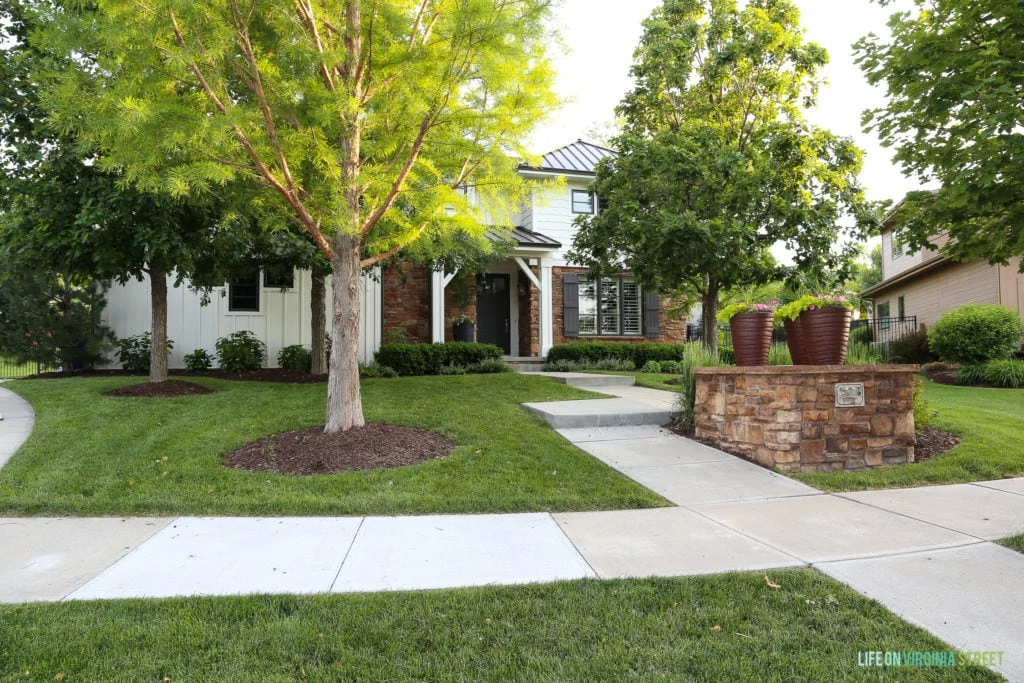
{"x":925,"y":283}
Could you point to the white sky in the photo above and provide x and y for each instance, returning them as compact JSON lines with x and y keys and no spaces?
{"x":600,"y":36}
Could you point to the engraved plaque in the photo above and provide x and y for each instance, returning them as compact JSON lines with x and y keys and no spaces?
{"x":850,"y":395}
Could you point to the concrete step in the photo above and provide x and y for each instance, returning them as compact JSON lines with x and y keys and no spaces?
{"x":529,"y":364}
{"x":599,"y":412}
{"x":588,"y":379}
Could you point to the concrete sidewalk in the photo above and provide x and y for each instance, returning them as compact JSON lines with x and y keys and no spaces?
{"x":925,"y":553}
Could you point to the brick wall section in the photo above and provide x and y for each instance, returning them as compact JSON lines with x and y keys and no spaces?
{"x":670,"y":330}
{"x":406,"y":301}
{"x":529,"y":316}
{"x":786,"y":417}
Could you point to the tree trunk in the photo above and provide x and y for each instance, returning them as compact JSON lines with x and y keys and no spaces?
{"x":344,"y":402}
{"x":318,"y":323}
{"x":158,"y":333}
{"x":709,"y":314}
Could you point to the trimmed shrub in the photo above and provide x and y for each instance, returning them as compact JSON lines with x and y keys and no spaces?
{"x":672,"y":367}
{"x":912,"y":348}
{"x":198,"y":360}
{"x":240,"y":352}
{"x":428,"y":359}
{"x":638,"y":352}
{"x":976,"y":334}
{"x":490,"y":366}
{"x":651,"y":366}
{"x":374,"y":370}
{"x":452,"y":370}
{"x":295,"y":357}
{"x":134,"y":352}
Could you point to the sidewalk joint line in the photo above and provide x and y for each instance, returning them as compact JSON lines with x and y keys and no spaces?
{"x":337,"y":575}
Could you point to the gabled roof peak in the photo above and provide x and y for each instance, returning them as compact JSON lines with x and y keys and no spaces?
{"x":576,"y":157}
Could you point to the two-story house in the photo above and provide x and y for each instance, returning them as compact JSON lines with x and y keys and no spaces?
{"x":926,"y":283}
{"x":527,"y":303}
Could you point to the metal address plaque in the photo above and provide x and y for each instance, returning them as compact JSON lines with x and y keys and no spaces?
{"x":850,"y":395}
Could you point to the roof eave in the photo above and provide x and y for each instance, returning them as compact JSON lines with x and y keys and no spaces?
{"x":907,"y":274}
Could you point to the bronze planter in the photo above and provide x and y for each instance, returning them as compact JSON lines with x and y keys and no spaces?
{"x":796,"y":342}
{"x":752,"y":336}
{"x":826,"y":334}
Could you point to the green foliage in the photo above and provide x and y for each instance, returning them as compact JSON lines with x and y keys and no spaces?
{"x":716,"y":163}
{"x":779,"y":354}
{"x":727,"y":355}
{"x":396,"y":335}
{"x":637,"y":352}
{"x":451,"y":370}
{"x":864,"y":354}
{"x":48,"y":319}
{"x":727,"y":313}
{"x":295,"y":357}
{"x":375,"y":370}
{"x":1004,"y":373}
{"x":135,"y":352}
{"x":429,"y":359}
{"x":912,"y":348}
{"x":810,"y":302}
{"x":923,"y":411}
{"x":671,"y":367}
{"x":862,"y":334}
{"x":953,"y":72}
{"x":240,"y":352}
{"x":198,"y":360}
{"x":694,"y":356}
{"x":975,"y":334}
{"x":971,"y":374}
{"x":489,"y":366}
{"x":651,"y":366}
{"x":568,"y":365}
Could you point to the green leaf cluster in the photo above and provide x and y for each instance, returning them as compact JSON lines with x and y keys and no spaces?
{"x":973,"y":334}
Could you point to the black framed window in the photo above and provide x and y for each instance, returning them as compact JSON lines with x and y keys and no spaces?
{"x":883,"y":315}
{"x":244,"y":292}
{"x":278,"y":276}
{"x":610,"y":306}
{"x":901,"y":310}
{"x":582,"y":201}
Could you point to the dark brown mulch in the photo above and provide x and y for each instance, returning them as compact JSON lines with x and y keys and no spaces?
{"x":169,"y":388}
{"x":932,"y":442}
{"x":263,"y":375}
{"x":311,"y":451}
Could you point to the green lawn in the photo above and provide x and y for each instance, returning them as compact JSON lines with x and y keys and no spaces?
{"x":91,"y":454}
{"x":651,"y":380}
{"x":1013,"y":542}
{"x":990,"y":423}
{"x":811,"y":628}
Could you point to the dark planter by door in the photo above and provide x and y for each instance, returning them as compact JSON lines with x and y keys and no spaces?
{"x":796,"y":342}
{"x":463,"y":332}
{"x":752,"y":336}
{"x":826,"y":334}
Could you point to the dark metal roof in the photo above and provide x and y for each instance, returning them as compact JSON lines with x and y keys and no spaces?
{"x":525,"y":238}
{"x":578,"y":157}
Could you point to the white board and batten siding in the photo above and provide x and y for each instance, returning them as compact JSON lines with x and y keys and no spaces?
{"x":552,"y":216}
{"x":283,"y":318}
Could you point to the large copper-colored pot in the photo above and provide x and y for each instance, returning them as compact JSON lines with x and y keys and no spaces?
{"x":752,"y":336}
{"x":826,"y":334}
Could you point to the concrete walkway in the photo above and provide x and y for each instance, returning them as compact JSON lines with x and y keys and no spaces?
{"x":925,"y":553}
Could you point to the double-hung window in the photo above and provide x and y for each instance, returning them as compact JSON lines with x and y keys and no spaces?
{"x":582,"y":201}
{"x":610,"y":306}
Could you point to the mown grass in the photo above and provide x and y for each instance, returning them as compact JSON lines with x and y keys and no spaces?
{"x":1013,"y":542}
{"x":91,"y":454}
{"x":651,"y":380}
{"x":723,"y":628}
{"x":990,"y":423}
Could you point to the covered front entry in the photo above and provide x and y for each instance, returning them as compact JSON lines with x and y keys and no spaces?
{"x":494,"y":310}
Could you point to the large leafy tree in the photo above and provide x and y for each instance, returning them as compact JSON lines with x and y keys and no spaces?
{"x":360,"y":117}
{"x":63,"y":213}
{"x":954,"y":75}
{"x":716,"y":163}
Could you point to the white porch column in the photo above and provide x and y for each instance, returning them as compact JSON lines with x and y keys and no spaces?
{"x":546,"y":322}
{"x":439,"y":280}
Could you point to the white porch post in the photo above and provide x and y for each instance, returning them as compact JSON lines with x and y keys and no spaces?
{"x":546,"y":322}
{"x":439,"y":280}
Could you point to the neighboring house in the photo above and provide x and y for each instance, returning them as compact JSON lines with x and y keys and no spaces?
{"x":525,"y":304}
{"x":926,"y":283}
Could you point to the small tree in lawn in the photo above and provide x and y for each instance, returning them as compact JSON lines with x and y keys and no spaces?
{"x":953,"y":72}
{"x":361,"y":118}
{"x":716,"y":163}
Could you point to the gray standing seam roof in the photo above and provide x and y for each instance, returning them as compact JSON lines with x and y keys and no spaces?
{"x":578,"y":157}
{"x":526,"y":238}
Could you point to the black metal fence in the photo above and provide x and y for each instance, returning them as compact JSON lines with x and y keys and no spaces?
{"x":867,"y":330}
{"x":12,"y":370}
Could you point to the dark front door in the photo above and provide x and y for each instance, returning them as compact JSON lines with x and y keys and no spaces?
{"x":493,"y":311}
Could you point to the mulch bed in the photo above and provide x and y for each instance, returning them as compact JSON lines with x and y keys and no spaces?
{"x":167,"y":389}
{"x":311,"y":451}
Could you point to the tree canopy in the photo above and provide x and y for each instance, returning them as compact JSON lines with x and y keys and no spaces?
{"x":716,"y":163}
{"x":954,"y":77}
{"x":360,"y":119}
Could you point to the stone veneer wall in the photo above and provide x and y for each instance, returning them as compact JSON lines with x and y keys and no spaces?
{"x":669,"y":329}
{"x":786,"y":417}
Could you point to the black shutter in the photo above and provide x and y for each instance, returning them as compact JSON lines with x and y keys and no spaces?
{"x":571,"y":304}
{"x":651,"y":310}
